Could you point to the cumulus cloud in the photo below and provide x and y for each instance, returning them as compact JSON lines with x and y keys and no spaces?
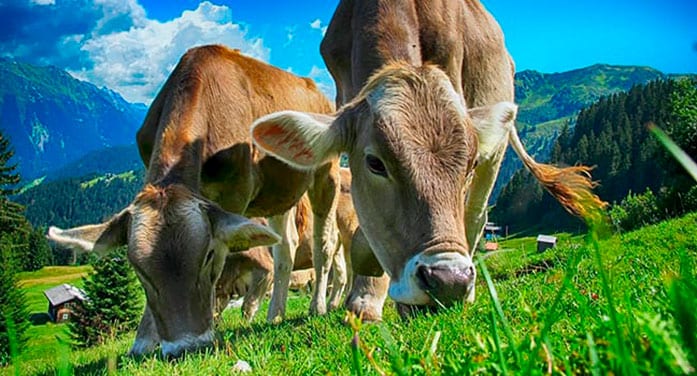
{"x":112,"y":42}
{"x":136,"y":62}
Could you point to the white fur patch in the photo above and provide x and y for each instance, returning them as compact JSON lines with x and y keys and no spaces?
{"x":406,"y":289}
{"x":187,"y":342}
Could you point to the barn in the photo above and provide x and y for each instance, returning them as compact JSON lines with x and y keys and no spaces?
{"x":61,"y":300}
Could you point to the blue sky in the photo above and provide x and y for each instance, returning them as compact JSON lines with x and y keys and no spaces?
{"x":131,"y":46}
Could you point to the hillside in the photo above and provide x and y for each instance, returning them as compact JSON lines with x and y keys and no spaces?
{"x":76,"y":201}
{"x":549,"y":100}
{"x":52,"y":118}
{"x":611,"y":134}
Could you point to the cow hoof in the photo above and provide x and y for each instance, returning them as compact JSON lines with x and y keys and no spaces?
{"x":365,"y":311}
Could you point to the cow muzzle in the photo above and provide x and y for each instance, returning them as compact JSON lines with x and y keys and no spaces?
{"x":186,"y":344}
{"x":439,"y":279}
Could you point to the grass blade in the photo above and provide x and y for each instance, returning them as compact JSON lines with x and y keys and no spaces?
{"x":593,"y":353}
{"x":675,"y":150}
{"x":497,"y":306}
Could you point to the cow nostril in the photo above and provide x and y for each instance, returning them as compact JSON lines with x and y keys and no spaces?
{"x":425,"y":277}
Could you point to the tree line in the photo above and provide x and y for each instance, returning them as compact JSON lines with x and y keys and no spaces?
{"x":641,"y":181}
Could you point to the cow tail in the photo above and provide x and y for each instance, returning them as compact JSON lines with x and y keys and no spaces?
{"x":571,"y":186}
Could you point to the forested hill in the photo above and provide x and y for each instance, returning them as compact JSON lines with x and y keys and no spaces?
{"x":612,"y":135}
{"x":52,"y":118}
{"x":78,"y":201}
{"x":547,"y":101}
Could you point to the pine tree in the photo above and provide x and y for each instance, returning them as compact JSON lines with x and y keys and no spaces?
{"x":114,"y":301}
{"x":13,"y":309}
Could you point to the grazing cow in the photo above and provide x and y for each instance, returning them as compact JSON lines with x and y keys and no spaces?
{"x":201,"y":168}
{"x":249,"y":273}
{"x":426,"y":89}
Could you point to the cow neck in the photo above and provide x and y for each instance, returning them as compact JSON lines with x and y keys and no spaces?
{"x":178,"y":161}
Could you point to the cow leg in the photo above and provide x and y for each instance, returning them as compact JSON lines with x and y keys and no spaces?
{"x":367,"y":296}
{"x":339,"y":279}
{"x":260,"y":284}
{"x":324,"y":197}
{"x":283,"y":256}
{"x":147,"y":338}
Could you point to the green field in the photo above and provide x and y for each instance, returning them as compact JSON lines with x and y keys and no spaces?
{"x":624,"y":305}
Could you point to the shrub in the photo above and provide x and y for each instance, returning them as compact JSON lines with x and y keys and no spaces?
{"x":114,"y":301}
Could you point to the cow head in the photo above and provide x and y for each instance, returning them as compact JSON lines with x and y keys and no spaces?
{"x":412,"y":147}
{"x":177,"y":243}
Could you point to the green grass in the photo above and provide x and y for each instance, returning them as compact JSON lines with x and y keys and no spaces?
{"x":624,"y":305}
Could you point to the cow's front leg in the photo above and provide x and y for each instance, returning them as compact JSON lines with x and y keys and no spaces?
{"x":339,"y":278}
{"x":283,"y":256}
{"x":260,"y":285}
{"x":147,"y":338}
{"x":324,"y":197}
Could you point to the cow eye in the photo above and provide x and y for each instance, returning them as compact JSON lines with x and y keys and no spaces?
{"x":375,"y":165}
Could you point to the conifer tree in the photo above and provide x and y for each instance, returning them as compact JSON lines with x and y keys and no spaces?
{"x":114,"y":301}
{"x":13,"y":311}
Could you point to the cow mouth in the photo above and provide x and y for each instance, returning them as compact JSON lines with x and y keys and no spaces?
{"x":409,"y":311}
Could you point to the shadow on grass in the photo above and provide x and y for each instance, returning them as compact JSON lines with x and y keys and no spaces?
{"x":39,"y":318}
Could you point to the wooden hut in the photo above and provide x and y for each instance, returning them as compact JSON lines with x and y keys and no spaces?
{"x":61,"y":300}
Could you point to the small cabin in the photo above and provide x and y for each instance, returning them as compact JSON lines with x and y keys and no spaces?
{"x":546,"y":242}
{"x":62,"y":300}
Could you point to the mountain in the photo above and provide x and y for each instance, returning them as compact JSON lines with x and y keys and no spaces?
{"x":53,"y":119}
{"x":548,"y":100}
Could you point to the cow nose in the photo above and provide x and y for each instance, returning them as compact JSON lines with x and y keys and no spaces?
{"x":445,"y":284}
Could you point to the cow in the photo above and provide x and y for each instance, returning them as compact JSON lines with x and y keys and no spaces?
{"x":249,"y":273}
{"x":425,"y":90}
{"x":203,"y":174}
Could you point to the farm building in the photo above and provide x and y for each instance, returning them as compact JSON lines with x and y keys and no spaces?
{"x":61,"y":300}
{"x":546,"y":242}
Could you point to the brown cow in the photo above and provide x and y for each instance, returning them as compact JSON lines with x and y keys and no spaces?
{"x":202,"y":166}
{"x":249,"y":273}
{"x":426,"y":89}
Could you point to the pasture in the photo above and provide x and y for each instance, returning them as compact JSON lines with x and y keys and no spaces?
{"x":624,"y":305}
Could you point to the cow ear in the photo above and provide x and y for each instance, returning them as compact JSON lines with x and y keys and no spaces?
{"x":99,"y":238}
{"x":492,"y":124}
{"x":363,"y":260}
{"x":303,"y":140}
{"x":239,"y":233}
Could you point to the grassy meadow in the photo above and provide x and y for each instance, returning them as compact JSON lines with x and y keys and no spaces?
{"x":622,"y":305}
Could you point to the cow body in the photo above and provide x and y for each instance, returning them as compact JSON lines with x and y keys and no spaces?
{"x":249,"y":273}
{"x":425,"y":89}
{"x":201,"y":168}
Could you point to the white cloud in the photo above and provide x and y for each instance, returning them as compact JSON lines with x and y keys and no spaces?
{"x":137,"y":61}
{"x":44,"y":2}
{"x":317,"y":25}
{"x":324,"y":81}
